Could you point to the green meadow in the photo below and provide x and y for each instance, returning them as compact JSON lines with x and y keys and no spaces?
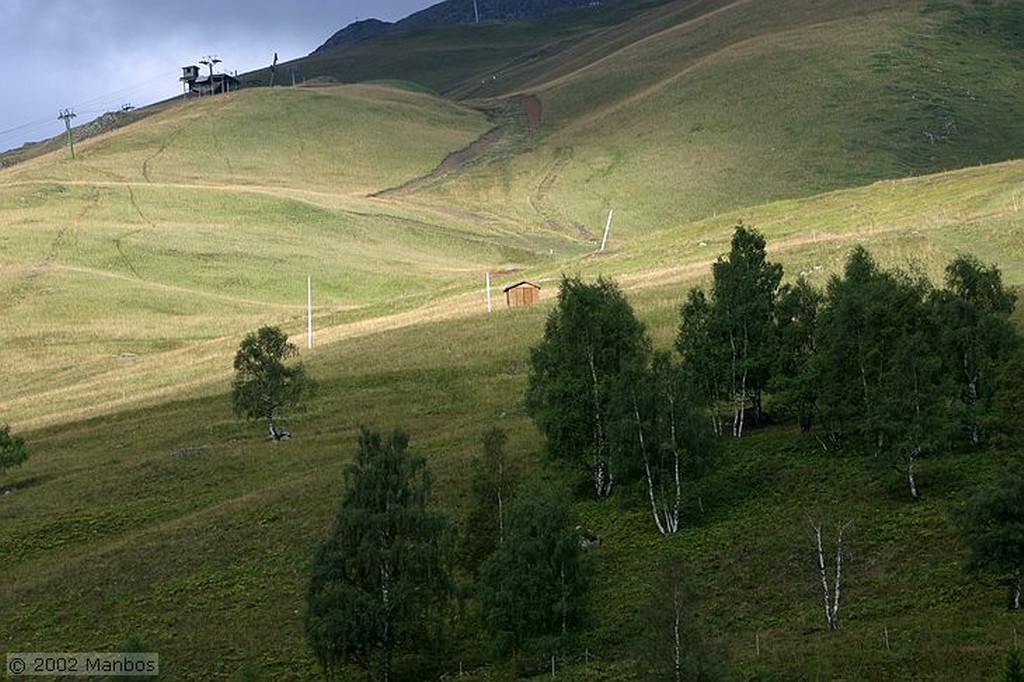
{"x":149,"y":516}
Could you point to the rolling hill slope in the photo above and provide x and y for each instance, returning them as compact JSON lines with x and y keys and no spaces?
{"x":149,"y":516}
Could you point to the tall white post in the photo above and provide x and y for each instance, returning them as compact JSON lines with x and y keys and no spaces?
{"x":488,"y":284}
{"x":607,"y":228}
{"x":309,"y":312}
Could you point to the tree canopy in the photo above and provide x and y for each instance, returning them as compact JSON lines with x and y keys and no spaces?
{"x":264,"y":387}
{"x":13,"y":451}
{"x":592,"y":353}
{"x":380,"y":582}
{"x":992,"y":523}
{"x":534,"y":585}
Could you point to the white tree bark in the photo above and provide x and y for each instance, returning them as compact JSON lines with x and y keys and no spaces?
{"x":911,"y":458}
{"x":601,"y":474}
{"x":1016,"y":586}
{"x":666,"y":519}
{"x":830,"y":596}
{"x":678,"y":649}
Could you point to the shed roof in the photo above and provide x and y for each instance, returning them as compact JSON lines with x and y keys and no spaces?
{"x":519,"y":284}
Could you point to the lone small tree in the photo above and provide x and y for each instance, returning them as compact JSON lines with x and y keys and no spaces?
{"x":380,"y":582}
{"x":13,"y":451}
{"x":264,"y":387}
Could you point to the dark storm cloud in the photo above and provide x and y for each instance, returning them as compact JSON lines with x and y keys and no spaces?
{"x":95,"y":55}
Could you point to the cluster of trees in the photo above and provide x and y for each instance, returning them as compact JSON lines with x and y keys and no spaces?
{"x":382,"y":584}
{"x":881,"y":360}
{"x":608,"y":403}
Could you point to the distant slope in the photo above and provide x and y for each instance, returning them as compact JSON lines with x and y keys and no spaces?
{"x":353,"y":139}
{"x":710,"y":106}
{"x":194,"y":224}
{"x":452,"y":12}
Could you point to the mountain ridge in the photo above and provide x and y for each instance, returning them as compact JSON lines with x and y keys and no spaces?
{"x":451,"y":12}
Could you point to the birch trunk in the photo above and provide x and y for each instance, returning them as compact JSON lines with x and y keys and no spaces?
{"x":839,"y":578}
{"x":973,"y":432}
{"x":674,"y":518}
{"x":647,"y":468}
{"x":824,"y":579}
{"x":678,"y":650}
{"x":830,"y":597}
{"x":600,"y":473}
{"x":911,"y":458}
{"x":1016,"y":586}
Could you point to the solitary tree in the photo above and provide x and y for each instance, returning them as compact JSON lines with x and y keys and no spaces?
{"x":264,"y":387}
{"x":13,"y":451}
{"x":381,"y":580}
{"x":533,"y":584}
{"x":993,"y":526}
{"x":592,"y":353}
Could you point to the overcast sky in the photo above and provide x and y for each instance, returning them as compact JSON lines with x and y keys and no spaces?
{"x":97,"y":55}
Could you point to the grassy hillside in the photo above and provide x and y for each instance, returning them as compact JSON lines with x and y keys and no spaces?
{"x":148,"y":514}
{"x":752,"y":102}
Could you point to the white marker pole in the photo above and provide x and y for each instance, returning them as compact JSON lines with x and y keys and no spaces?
{"x":309,"y":312}
{"x":488,"y":280}
{"x":607,"y":228}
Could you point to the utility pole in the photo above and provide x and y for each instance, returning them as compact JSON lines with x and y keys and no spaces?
{"x":607,"y":229}
{"x":210,"y":61}
{"x":309,"y":312}
{"x":66,"y":115}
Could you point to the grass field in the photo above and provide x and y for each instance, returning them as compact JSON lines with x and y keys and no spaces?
{"x":148,"y":515}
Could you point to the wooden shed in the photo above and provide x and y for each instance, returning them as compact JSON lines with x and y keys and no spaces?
{"x":521,"y":293}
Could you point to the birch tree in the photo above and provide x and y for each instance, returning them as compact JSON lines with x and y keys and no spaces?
{"x":380,"y":582}
{"x":831,"y":589}
{"x":265,"y":386}
{"x":669,"y":439}
{"x":704,"y":358}
{"x":977,"y":334}
{"x":534,"y":585}
{"x":992,"y":524}
{"x":674,"y":646}
{"x":593,"y":346}
{"x":494,"y":482}
{"x":796,"y":319}
{"x":743,"y":298}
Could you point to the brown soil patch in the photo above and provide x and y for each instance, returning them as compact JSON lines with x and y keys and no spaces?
{"x":533,"y":110}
